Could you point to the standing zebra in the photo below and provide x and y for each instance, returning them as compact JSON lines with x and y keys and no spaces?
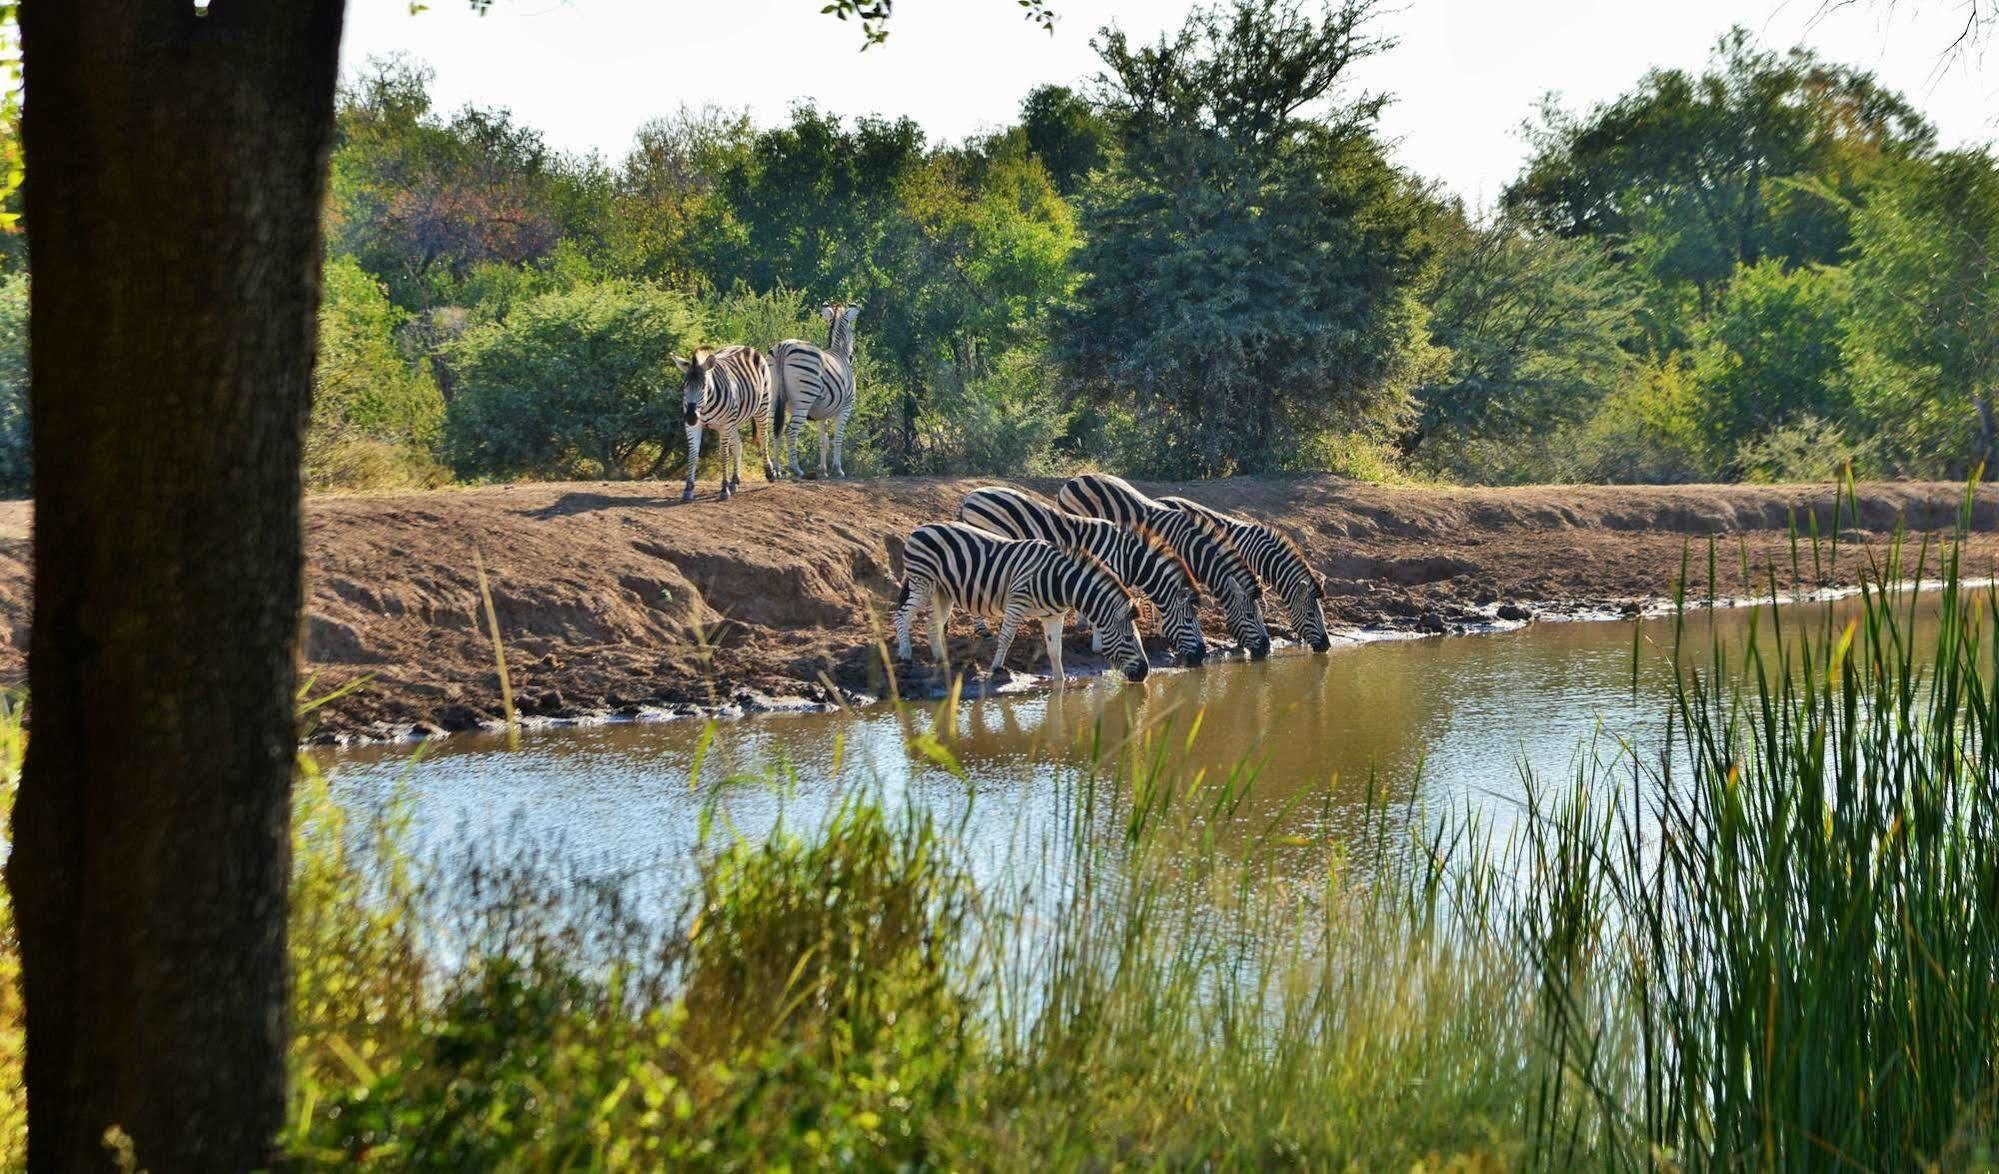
{"x":947,"y":564}
{"x":1216,"y":563}
{"x":818,"y":385}
{"x":1140,"y":560}
{"x":1279,"y":563}
{"x":720,"y":390}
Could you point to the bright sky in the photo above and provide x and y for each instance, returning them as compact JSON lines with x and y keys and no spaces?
{"x":1464,"y":77}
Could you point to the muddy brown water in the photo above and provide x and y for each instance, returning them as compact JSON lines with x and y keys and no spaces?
{"x":1438,"y":726}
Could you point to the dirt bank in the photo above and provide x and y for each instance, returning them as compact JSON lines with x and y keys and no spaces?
{"x":616,"y":597}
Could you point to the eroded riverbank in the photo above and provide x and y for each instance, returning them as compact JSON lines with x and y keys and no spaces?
{"x":616,"y":599}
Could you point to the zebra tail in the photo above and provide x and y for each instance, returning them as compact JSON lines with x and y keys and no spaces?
{"x":902,"y":596}
{"x":779,"y":401}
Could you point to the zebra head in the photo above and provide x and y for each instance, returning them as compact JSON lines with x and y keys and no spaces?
{"x":1170,"y":585}
{"x":839,"y":318}
{"x":1113,"y":613}
{"x":1304,"y":595}
{"x":695,"y":374}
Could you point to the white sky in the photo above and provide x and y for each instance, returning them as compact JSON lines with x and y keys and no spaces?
{"x":1465,"y":76}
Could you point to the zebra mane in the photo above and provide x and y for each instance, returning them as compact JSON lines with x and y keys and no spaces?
{"x":1154,"y":544}
{"x":1089,"y":560}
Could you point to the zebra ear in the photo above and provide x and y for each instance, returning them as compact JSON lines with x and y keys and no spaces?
{"x":826,"y":311}
{"x":681,"y":363}
{"x":853,"y":312}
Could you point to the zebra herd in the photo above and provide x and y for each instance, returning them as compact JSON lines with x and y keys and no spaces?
{"x":736,"y":385}
{"x":1110,"y":554}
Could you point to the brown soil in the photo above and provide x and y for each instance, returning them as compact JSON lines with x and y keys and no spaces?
{"x":616,"y":597}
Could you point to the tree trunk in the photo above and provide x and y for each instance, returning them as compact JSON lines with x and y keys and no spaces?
{"x":176,"y":161}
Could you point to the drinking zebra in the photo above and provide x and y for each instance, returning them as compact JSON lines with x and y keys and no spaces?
{"x":1137,"y":558}
{"x":1216,"y":564}
{"x":1279,"y":563}
{"x":818,"y":385}
{"x":720,"y":390}
{"x":947,"y":564}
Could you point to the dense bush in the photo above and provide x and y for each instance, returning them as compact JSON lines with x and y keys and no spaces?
{"x":578,"y":383}
{"x":16,"y":464}
{"x":375,"y":416}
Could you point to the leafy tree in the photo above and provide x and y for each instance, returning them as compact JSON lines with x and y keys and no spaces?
{"x":575,"y":383}
{"x":1250,"y":254}
{"x":374,"y":417}
{"x":1924,"y":329}
{"x":1068,"y":134}
{"x":1537,"y":330}
{"x":665,"y":192}
{"x":1771,"y":354}
{"x":1695,"y":175}
{"x":421,"y":200}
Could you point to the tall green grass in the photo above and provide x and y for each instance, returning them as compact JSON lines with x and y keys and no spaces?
{"x":1768,"y":941}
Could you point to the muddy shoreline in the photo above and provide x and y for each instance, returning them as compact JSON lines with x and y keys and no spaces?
{"x":618,"y":602}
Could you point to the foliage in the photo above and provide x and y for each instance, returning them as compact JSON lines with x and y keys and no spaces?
{"x":1249,"y":255}
{"x":1009,"y":418}
{"x":1695,"y":175}
{"x":1645,"y":433}
{"x":1804,"y":448}
{"x":16,"y":456}
{"x":374,"y":418}
{"x":573,"y":383}
{"x":1537,"y":329}
{"x":1924,"y":336}
{"x":1771,"y":353}
{"x":1067,"y":133}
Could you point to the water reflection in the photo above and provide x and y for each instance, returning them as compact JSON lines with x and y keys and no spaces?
{"x":1435,"y":725}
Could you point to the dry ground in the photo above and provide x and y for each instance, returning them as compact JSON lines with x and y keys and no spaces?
{"x":616,"y":596}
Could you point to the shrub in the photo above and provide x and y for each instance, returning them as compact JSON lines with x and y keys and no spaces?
{"x":374,"y":416}
{"x":576,"y":383}
{"x":1007,"y":419}
{"x":1806,"y":449}
{"x":16,"y":463}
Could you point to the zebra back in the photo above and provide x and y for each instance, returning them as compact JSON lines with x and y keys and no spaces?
{"x":1139,"y":558}
{"x":814,"y":383}
{"x":980,"y":571}
{"x":726,"y":387}
{"x":1205,"y":546}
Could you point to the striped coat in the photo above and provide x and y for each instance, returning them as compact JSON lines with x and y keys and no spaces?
{"x":1139,"y":559}
{"x":949,"y":565}
{"x":723,"y":390}
{"x":1280,"y":564}
{"x":1216,"y":563}
{"x":818,"y":385}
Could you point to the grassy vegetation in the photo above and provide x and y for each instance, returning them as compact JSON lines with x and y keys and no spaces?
{"x":1773,"y":945}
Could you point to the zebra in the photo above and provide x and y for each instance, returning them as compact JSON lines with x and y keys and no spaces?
{"x":1138,"y":558}
{"x":1279,"y":563}
{"x":817,"y":384}
{"x":949,"y":564}
{"x":720,"y":390}
{"x":1216,"y":563}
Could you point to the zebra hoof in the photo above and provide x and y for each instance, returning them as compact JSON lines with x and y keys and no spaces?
{"x":727,"y":493}
{"x":687,"y":494}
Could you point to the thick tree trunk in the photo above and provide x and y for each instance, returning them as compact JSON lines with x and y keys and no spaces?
{"x":1988,"y":433}
{"x":176,"y":160}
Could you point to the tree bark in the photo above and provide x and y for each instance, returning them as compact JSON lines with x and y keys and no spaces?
{"x":176,"y":160}
{"x":1988,"y":433}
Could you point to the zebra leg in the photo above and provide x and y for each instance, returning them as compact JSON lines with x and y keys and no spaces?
{"x":913,"y":599}
{"x":794,"y":439}
{"x":840,"y":443}
{"x":727,"y":437}
{"x":825,"y":435}
{"x":940,"y":649}
{"x":693,"y":459}
{"x":1051,"y":627}
{"x":1009,"y":626}
{"x":762,"y":428}
{"x":736,"y":456}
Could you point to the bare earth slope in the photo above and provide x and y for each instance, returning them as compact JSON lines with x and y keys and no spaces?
{"x":616,"y":597}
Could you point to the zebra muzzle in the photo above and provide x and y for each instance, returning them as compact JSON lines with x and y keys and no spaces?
{"x":693,"y":414}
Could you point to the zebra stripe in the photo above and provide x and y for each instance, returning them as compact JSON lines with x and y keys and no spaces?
{"x":948,"y":565}
{"x":1279,"y":563}
{"x":1137,"y":558}
{"x":720,"y":390}
{"x":818,"y":385}
{"x":1216,"y":564}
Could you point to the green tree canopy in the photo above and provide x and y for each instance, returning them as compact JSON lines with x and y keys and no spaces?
{"x":1250,"y":255}
{"x":1697,"y":174}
